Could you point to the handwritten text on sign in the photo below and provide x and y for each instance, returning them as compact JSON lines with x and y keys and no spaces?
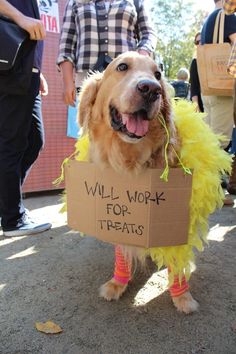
{"x":114,"y":208}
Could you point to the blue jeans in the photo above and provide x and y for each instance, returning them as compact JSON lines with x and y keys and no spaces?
{"x":21,"y":139}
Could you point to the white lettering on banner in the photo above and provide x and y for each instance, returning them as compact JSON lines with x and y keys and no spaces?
{"x":49,"y":14}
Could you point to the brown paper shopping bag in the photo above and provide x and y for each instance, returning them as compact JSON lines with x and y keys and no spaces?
{"x":212,"y":60}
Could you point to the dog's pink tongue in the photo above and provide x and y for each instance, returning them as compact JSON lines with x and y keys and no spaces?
{"x":135,"y":124}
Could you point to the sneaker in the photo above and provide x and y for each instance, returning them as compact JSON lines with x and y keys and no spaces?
{"x":228,"y":200}
{"x":27,"y":227}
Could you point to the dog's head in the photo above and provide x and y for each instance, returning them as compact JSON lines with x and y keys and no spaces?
{"x":124,"y":103}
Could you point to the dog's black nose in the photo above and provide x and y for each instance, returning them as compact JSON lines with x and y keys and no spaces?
{"x":149,"y":90}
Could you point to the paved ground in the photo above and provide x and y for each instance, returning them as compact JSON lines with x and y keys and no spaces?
{"x":55,"y":275}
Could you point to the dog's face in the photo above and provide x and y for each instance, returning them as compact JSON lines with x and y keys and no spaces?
{"x":134,"y":93}
{"x":122,"y":105}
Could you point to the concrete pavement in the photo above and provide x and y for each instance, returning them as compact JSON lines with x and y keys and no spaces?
{"x":56,"y":275}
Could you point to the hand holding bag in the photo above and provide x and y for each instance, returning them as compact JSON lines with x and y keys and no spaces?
{"x":12,"y":37}
{"x":16,"y":58}
{"x":212,"y":60}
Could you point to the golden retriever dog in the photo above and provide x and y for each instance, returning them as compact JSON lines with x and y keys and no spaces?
{"x":119,"y":110}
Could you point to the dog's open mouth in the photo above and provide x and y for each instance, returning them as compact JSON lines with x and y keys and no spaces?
{"x":135,"y":125}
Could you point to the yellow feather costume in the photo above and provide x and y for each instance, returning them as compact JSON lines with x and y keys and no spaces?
{"x":201,"y":152}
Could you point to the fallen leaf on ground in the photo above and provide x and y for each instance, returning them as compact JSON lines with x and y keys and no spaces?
{"x":48,"y":327}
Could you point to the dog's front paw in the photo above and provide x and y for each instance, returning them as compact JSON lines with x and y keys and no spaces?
{"x":112,"y":290}
{"x":185,"y":303}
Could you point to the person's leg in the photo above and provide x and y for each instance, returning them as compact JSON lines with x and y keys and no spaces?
{"x":231,"y":188}
{"x":21,"y":138}
{"x":234,"y":98}
{"x":35,"y":139}
{"x":207,"y":109}
{"x":222,"y":117}
{"x":222,"y":123}
{"x":14,"y":127}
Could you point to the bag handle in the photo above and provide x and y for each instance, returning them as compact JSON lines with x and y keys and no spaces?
{"x":222,"y":27}
{"x":219,"y":28}
{"x":136,"y":28}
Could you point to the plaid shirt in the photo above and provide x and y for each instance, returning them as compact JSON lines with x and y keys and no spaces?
{"x":230,"y":8}
{"x":231,"y":67}
{"x":79,"y":37}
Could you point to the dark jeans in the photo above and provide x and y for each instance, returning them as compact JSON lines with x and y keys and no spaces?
{"x":235,"y":102}
{"x":21,"y":139}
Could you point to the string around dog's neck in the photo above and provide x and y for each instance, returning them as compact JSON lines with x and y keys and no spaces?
{"x":165,"y":173}
{"x":82,"y":147}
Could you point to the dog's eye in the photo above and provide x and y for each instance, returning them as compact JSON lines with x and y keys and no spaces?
{"x":122,"y":67}
{"x":158,"y":75}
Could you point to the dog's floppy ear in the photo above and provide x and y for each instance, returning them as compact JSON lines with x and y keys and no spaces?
{"x":87,"y":98}
{"x":166,"y":108}
{"x":167,"y":114}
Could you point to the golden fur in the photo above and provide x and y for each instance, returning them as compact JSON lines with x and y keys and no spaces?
{"x":119,"y":89}
{"x":120,"y":110}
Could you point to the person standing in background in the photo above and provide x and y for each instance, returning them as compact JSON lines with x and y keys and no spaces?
{"x":195,"y":89}
{"x":219,"y":109}
{"x":230,"y":8}
{"x":96,"y":32}
{"x":21,"y":126}
{"x":181,"y":85}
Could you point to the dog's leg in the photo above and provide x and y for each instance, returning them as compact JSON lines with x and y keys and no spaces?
{"x":114,"y":288}
{"x":181,"y":296}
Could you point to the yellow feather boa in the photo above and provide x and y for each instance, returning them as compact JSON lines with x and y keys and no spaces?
{"x":200,"y":152}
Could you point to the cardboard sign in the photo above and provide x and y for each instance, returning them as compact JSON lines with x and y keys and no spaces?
{"x":140,"y":210}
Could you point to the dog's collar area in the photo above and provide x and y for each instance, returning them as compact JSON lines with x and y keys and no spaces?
{"x":134,"y":125}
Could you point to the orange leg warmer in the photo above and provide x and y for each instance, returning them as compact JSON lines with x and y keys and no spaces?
{"x":178,"y":288}
{"x":122,"y":271}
